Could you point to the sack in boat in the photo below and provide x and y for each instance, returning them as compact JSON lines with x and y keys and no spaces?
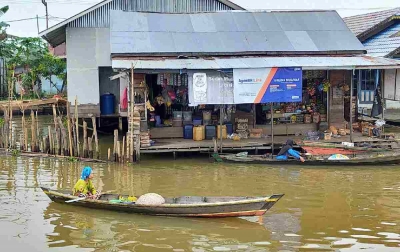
{"x":338,"y":157}
{"x":150,"y":199}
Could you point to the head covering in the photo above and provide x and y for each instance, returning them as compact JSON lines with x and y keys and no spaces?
{"x":286,"y":147}
{"x":86,"y":172}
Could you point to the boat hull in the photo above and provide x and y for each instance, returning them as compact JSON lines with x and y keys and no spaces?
{"x":249,"y":207}
{"x":375,"y":161}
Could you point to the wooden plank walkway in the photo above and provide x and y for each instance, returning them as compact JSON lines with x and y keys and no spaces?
{"x":187,"y":145}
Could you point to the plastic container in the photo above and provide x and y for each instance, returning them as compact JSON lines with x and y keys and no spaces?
{"x":199,"y":133}
{"x":206,"y":116}
{"x":177,"y":123}
{"x":206,"y":122}
{"x":177,"y":115}
{"x":197,"y":122}
{"x":229,"y":128}
{"x":224,"y":134}
{"x":210,"y":132}
{"x":188,"y":132}
{"x":187,"y":115}
{"x":107,"y":104}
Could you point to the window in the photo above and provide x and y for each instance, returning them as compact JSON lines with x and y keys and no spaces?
{"x":366,"y":81}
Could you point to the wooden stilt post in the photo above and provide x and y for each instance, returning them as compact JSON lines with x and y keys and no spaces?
{"x":85,"y":139}
{"x":221,"y":113}
{"x":37,"y":129}
{"x":272,"y":130}
{"x":109,"y":154}
{"x":131,"y":109}
{"x":90,"y":140}
{"x":115,"y":154}
{"x":351,"y":106}
{"x":96,"y":139}
{"x":123,"y":150}
{"x":33,"y":140}
{"x":50,"y":139}
{"x":77,"y":127}
{"x":71,"y":153}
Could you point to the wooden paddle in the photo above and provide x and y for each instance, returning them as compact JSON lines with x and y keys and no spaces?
{"x":82,"y":198}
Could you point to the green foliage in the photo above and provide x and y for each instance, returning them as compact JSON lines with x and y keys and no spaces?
{"x":2,"y":122}
{"x":3,"y":25}
{"x":15,"y":153}
{"x":33,"y":56}
{"x":72,"y":159}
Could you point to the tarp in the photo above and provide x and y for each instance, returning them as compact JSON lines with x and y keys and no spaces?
{"x":265,"y":85}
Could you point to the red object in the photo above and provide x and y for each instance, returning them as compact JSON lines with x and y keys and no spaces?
{"x":124,"y":99}
{"x":329,"y":151}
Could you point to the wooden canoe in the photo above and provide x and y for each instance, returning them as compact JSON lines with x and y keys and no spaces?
{"x":361,"y":160}
{"x":186,"y":206}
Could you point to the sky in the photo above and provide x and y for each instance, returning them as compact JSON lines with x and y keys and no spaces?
{"x":61,"y":9}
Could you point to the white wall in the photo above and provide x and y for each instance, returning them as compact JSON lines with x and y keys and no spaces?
{"x":87,"y":49}
{"x":393,"y":105}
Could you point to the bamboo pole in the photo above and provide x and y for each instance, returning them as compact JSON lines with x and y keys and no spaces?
{"x":127,"y":147}
{"x":74,"y":141}
{"x":50,"y":139}
{"x":85,"y":141}
{"x":69,"y":130}
{"x":131,"y":109}
{"x":37,"y":126}
{"x":58,"y":142}
{"x":23,"y":130}
{"x":63,"y":143}
{"x":119,"y":151}
{"x":90,"y":143}
{"x":109,"y":154}
{"x":96,"y":139}
{"x":55,"y":116}
{"x":77,"y":126}
{"x":33,"y":140}
{"x":123,"y":150}
{"x":115,"y":154}
{"x":25,"y":138}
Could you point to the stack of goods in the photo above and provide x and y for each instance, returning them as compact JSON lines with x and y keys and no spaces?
{"x":145,"y":140}
{"x":307,"y":119}
{"x":316,"y":117}
{"x":242,"y":127}
{"x":206,"y":117}
{"x":300,"y":118}
{"x":177,"y":119}
{"x":187,"y":117}
{"x":256,"y":133}
{"x":289,"y":109}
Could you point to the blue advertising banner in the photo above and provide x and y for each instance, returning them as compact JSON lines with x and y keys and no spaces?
{"x":265,"y":85}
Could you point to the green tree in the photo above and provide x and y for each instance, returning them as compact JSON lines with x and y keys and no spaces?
{"x":3,"y":25}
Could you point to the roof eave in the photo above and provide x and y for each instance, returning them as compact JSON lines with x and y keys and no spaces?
{"x":377,"y":28}
{"x":231,"y":4}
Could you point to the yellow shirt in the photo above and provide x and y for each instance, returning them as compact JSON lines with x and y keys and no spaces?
{"x":84,"y":187}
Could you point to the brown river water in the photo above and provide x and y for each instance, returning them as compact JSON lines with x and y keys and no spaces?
{"x":324,"y":209}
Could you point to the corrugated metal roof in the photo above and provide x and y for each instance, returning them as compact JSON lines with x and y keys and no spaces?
{"x":326,"y":63}
{"x":362,"y":23}
{"x":384,"y":43}
{"x":230,"y":32}
{"x":98,"y":16}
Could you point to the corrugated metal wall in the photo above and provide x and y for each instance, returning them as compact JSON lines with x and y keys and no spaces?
{"x":101,"y":16}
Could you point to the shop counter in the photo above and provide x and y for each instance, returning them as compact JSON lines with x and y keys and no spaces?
{"x":288,"y":129}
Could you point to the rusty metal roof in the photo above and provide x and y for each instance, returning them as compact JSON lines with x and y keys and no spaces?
{"x":311,"y":63}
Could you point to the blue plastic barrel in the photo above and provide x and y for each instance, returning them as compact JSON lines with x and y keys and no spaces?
{"x":107,"y":102}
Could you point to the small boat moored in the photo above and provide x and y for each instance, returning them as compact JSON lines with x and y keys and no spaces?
{"x":186,"y":206}
{"x":389,"y":158}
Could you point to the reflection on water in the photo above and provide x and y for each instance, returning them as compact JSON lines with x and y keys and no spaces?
{"x":328,"y":209}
